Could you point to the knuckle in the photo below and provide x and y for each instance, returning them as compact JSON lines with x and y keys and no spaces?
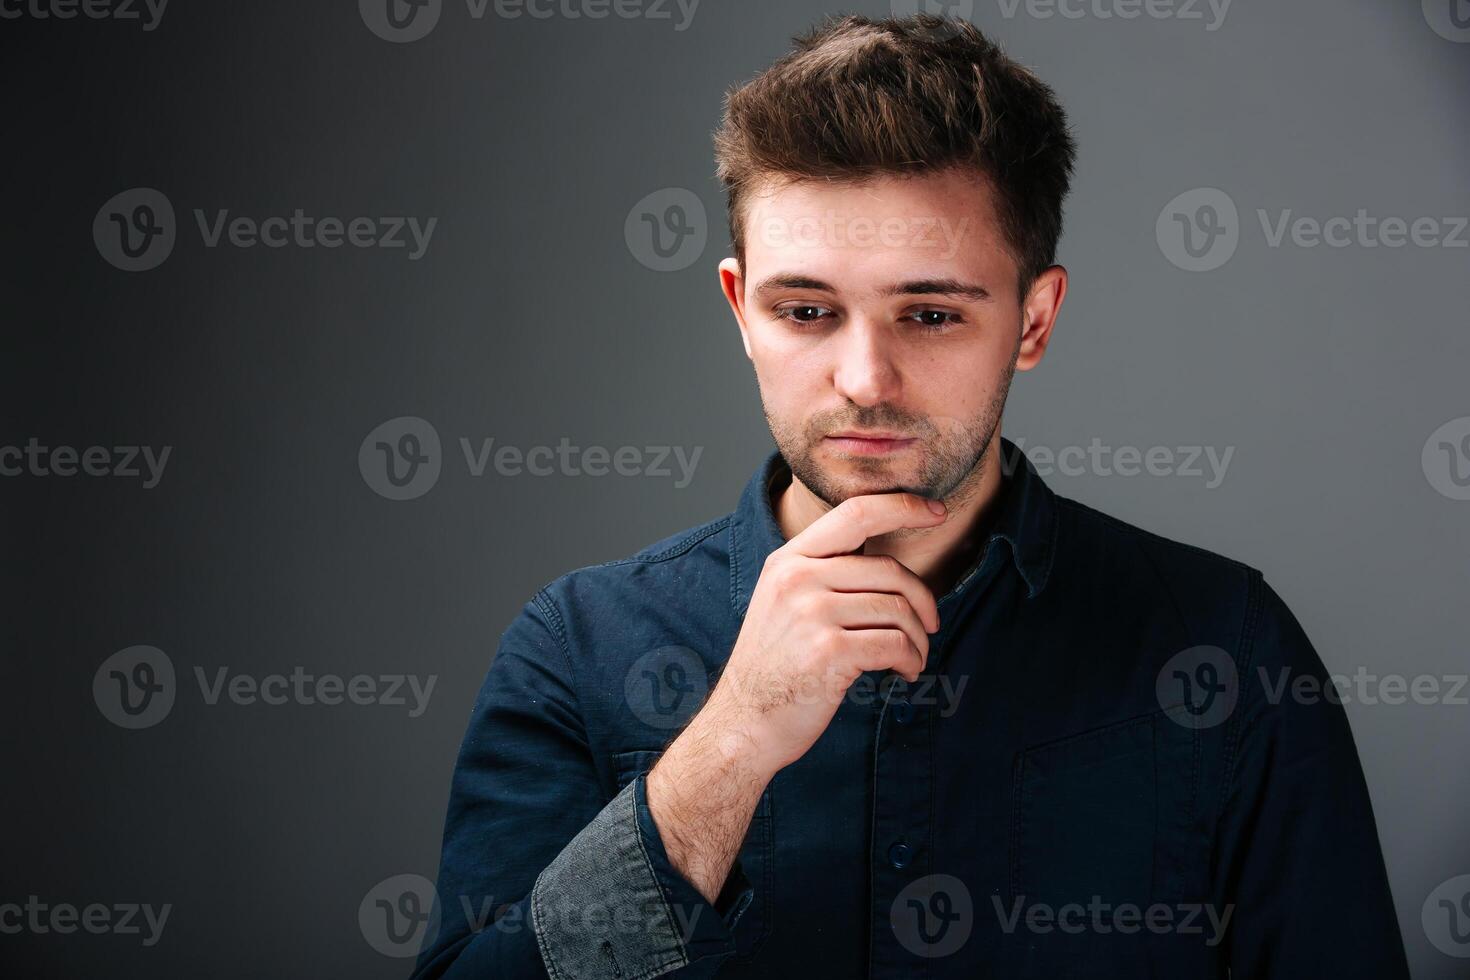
{"x":808,"y":605}
{"x":780,"y":570}
{"x":828,"y":642}
{"x":798,"y":571}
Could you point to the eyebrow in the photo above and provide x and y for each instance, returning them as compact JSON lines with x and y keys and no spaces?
{"x":916,"y":287}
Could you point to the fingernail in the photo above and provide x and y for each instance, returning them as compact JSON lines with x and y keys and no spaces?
{"x":936,"y":506}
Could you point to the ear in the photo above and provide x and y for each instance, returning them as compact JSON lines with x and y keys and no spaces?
{"x":1039,"y":315}
{"x":732,"y":281}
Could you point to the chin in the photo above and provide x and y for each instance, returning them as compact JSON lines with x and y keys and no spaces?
{"x":850,"y":486}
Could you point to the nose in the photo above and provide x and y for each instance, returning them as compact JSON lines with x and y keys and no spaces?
{"x":865,"y":372}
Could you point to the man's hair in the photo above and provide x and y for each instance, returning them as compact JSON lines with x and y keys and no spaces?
{"x":859,"y":97}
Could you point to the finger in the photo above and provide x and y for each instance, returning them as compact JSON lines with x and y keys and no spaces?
{"x":883,"y":649}
{"x":846,"y":527}
{"x":878,"y":573}
{"x":876,"y":610}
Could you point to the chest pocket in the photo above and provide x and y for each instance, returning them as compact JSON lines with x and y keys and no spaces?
{"x":1106,"y":814}
{"x":756,"y":856}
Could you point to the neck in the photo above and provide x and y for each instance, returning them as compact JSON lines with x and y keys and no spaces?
{"x":938,"y":555}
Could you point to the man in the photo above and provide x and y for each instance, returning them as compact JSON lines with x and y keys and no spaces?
{"x":905,"y":712}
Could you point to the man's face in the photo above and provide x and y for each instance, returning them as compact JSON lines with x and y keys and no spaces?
{"x":886,"y":309}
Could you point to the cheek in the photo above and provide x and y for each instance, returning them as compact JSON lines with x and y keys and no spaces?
{"x":787,"y":365}
{"x":958,"y":383}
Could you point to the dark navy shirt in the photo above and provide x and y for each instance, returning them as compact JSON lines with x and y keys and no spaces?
{"x":1104,"y":771}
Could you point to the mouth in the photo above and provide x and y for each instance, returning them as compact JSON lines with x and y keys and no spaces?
{"x":869,"y":443}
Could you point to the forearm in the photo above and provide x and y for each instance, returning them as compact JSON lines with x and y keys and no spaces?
{"x":702,"y":794}
{"x":536,"y":876}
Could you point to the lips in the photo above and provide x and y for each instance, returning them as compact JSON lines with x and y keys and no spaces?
{"x":882,"y":436}
{"x":869,"y":443}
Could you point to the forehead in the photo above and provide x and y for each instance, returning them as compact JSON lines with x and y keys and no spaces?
{"x":931,"y":224}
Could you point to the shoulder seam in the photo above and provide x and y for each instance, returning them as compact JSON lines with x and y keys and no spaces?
{"x":547,"y":605}
{"x":676,"y":549}
{"x":1122,"y":525}
{"x":544,"y":601}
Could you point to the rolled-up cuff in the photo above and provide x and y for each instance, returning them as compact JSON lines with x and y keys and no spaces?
{"x":707,"y":931}
{"x":611,"y":904}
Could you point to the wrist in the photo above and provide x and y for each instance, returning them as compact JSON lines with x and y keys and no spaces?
{"x":728,"y":742}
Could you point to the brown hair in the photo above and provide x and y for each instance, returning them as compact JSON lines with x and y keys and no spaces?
{"x":860,"y":97}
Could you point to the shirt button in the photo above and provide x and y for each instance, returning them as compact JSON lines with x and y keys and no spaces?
{"x":903,"y":711}
{"x":900,"y":854}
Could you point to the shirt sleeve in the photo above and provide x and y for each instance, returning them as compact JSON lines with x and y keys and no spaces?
{"x":541,"y":876}
{"x":1298,"y":863}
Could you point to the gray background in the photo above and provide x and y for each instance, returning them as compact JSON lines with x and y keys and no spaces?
{"x":530,"y":320}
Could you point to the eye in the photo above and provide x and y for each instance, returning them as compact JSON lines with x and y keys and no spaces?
{"x":934,"y":319}
{"x":802,"y":314}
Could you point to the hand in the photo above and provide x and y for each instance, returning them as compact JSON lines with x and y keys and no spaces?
{"x":821,"y":615}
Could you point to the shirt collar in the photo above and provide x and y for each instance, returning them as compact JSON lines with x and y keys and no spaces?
{"x":1026,"y":520}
